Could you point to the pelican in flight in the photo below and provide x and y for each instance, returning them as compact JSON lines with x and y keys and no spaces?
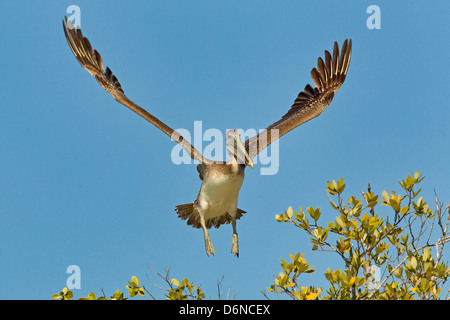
{"x":216,"y":203}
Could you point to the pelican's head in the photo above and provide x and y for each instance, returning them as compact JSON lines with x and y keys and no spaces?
{"x":236,"y":149}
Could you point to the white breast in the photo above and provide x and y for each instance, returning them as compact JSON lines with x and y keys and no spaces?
{"x":219,"y":194}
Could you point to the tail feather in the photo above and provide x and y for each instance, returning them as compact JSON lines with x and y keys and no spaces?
{"x":187,"y":212}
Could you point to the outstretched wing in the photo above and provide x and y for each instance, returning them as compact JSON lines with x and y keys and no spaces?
{"x":328,"y":78}
{"x":91,"y":60}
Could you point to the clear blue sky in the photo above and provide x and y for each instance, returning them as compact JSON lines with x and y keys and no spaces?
{"x":84,"y":181}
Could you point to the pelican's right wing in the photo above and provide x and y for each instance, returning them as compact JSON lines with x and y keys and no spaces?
{"x":91,"y":60}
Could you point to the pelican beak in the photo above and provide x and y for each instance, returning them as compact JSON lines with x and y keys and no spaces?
{"x":241,"y":150}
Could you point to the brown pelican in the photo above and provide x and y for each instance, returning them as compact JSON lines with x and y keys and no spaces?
{"x":216,"y":203}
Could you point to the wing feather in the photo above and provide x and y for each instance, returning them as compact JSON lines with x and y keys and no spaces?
{"x":335,"y":59}
{"x":329,"y":64}
{"x":310,"y":103}
{"x":92,"y":61}
{"x":316,"y":78}
{"x":321,"y":69}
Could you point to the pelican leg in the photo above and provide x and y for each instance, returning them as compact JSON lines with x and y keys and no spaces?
{"x":208,"y":244}
{"x":234,"y":242}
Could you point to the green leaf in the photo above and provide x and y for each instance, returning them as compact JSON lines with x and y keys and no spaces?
{"x":404,"y":238}
{"x":311,"y":296}
{"x":340,"y":222}
{"x":386,"y":196}
{"x":408,"y":183}
{"x":404,"y":210}
{"x":310,"y":212}
{"x":117,"y":295}
{"x":398,"y":273}
{"x":413,"y":263}
{"x":426,"y":254}
{"x":316,"y":214}
{"x":176,"y":283}
{"x":289,"y":212}
{"x":341,"y":185}
{"x":331,"y":188}
{"x":68,"y":296}
{"x":335,"y":186}
{"x":415,"y":193}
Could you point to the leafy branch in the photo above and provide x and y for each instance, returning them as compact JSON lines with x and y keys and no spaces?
{"x":398,"y":244}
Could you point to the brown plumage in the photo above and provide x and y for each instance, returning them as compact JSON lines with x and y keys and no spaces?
{"x":328,"y":78}
{"x":216,"y":203}
{"x":187,"y":212}
{"x":91,"y":60}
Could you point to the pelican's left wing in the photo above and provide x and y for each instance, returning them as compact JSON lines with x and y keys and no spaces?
{"x":328,"y":78}
{"x":91,"y":60}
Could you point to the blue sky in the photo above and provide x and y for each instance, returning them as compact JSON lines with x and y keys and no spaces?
{"x":86,"y":182}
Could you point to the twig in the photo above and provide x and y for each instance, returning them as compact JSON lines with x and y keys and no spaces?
{"x":219,"y":288}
